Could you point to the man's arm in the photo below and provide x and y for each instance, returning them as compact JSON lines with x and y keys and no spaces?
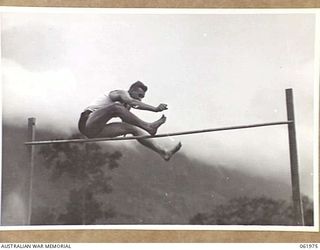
{"x":124,"y":97}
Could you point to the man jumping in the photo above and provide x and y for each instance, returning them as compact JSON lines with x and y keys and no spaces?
{"x":94,"y":120}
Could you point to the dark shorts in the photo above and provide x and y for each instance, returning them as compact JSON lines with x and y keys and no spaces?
{"x":83,"y":120}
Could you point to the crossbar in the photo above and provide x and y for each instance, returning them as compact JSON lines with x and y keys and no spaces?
{"x":159,"y":135}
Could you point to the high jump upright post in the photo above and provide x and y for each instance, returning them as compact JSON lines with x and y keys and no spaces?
{"x":31,"y":154}
{"x":296,"y":197}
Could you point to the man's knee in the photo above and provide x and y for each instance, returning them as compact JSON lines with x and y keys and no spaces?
{"x":118,"y":108}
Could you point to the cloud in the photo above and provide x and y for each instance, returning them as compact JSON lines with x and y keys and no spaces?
{"x":37,"y":47}
{"x":46,"y":95}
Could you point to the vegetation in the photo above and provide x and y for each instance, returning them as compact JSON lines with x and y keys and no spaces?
{"x":253,"y":211}
{"x":85,"y":166}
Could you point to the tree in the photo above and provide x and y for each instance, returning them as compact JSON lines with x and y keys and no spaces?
{"x":248,"y":211}
{"x":254,"y":211}
{"x":85,"y":166}
{"x":44,"y":215}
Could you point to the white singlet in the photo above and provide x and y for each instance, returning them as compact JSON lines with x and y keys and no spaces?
{"x":100,"y":102}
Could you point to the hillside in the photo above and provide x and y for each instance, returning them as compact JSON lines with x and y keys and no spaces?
{"x":170,"y":193}
{"x":146,"y":189}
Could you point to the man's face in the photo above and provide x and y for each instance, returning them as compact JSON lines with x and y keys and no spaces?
{"x":137,"y":94}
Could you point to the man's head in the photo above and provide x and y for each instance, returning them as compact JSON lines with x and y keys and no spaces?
{"x":137,"y":90}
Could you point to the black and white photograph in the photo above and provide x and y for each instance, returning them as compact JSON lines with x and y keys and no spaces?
{"x":159,"y":119}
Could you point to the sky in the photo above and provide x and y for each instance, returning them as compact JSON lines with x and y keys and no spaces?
{"x":213,"y":70}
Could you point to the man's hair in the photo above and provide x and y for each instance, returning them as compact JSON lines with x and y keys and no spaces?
{"x":138,"y":84}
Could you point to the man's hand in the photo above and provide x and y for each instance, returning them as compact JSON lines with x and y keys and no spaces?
{"x":161,"y":107}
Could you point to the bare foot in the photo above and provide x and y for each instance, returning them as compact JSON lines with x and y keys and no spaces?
{"x":155,"y":125}
{"x":167,"y":156}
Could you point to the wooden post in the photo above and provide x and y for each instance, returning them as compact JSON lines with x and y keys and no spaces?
{"x":31,"y":151}
{"x":296,"y":197}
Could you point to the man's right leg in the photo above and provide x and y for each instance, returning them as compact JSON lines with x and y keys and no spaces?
{"x":98,"y":119}
{"x":121,"y":128}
